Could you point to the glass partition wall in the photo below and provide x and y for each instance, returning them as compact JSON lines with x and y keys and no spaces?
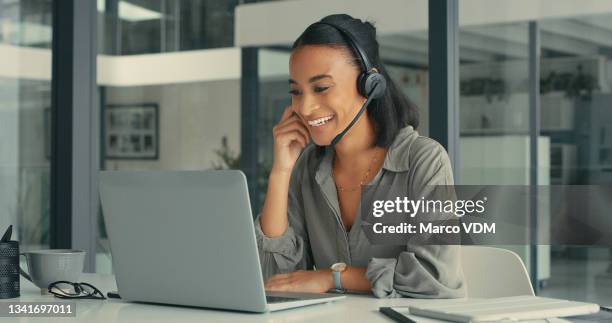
{"x":573,"y":142}
{"x":576,"y":109}
{"x":169,"y":84}
{"x":25,"y":122}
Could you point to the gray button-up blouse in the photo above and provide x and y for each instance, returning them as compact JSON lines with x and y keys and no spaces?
{"x":317,"y":238}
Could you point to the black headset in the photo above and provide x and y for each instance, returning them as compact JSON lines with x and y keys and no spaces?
{"x":370,"y":83}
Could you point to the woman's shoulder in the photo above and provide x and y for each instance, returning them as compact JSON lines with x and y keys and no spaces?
{"x":410,"y":149}
{"x":427,"y":147}
{"x":425,"y":160}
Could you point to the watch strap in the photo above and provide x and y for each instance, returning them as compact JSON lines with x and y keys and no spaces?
{"x":337,"y":281}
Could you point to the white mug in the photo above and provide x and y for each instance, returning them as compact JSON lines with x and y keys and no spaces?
{"x":52,"y":265}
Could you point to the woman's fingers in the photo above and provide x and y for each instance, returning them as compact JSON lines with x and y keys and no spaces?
{"x":286,"y":114}
{"x":280,"y":282}
{"x":290,"y":136}
{"x":278,"y":277}
{"x":278,"y":288}
{"x":293,"y":126}
{"x":285,"y":139}
{"x":290,"y":120}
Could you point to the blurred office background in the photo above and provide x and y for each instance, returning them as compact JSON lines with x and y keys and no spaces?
{"x":198,"y":84}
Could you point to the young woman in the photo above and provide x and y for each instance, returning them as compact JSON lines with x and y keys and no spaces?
{"x":308,"y":232}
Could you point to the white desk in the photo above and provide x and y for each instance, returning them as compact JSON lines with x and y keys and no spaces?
{"x":356,"y":308}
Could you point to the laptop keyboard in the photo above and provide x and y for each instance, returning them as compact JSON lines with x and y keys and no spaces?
{"x":279,"y":299}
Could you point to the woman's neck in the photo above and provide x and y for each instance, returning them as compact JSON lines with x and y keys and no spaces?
{"x":356,"y":144}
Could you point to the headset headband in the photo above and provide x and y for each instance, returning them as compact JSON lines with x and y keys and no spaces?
{"x":353,"y":43}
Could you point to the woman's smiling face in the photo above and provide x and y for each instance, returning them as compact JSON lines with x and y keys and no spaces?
{"x":323,"y":91}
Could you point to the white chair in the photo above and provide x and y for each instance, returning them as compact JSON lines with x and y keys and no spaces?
{"x":494,"y":272}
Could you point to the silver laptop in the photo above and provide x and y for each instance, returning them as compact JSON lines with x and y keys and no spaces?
{"x":187,"y":238}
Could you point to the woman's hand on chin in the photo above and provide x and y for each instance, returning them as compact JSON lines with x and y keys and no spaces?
{"x":309,"y":281}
